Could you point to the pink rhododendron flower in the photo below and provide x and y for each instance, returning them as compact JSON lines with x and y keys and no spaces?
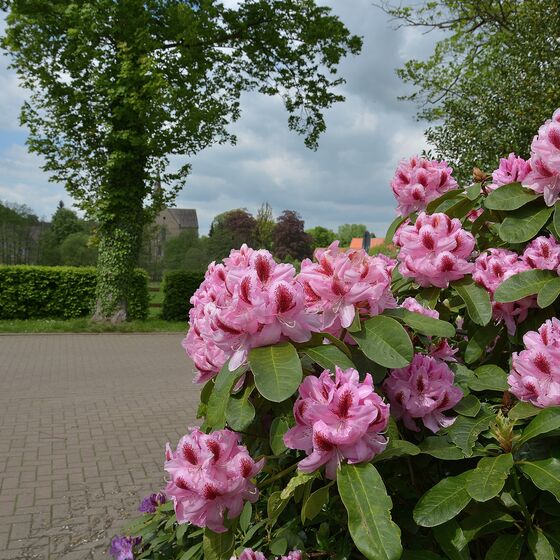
{"x":434,"y":250}
{"x":491,"y":269}
{"x":337,"y":419}
{"x":209,"y":475}
{"x":535,"y":373}
{"x":544,"y":177}
{"x":246,"y":302}
{"x":512,"y":169}
{"x":473,"y":215}
{"x":342,"y":281}
{"x":418,"y":181}
{"x":411,"y":304}
{"x":542,"y":253}
{"x":423,"y":390}
{"x":250,"y":554}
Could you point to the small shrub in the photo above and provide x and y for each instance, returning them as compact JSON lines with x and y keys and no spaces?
{"x":178,"y":287}
{"x":33,"y":292}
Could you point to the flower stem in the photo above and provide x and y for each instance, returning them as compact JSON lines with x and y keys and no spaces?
{"x":279,"y":475}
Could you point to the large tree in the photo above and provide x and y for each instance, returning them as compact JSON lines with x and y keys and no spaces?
{"x":492,"y":79}
{"x":118,"y":86}
{"x":289,"y":238}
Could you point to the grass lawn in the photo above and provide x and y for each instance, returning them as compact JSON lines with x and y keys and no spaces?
{"x":84,"y":325}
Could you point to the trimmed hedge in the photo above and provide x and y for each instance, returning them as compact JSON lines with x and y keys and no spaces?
{"x":33,"y":292}
{"x":178,"y":287}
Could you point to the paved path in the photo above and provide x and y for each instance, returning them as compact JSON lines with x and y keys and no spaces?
{"x":83,"y":424}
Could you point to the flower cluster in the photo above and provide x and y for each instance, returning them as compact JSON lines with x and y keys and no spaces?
{"x":209,"y":474}
{"x":337,"y":419}
{"x":434,"y":250}
{"x":246,"y":302}
{"x":512,"y":169}
{"x":250,"y":554}
{"x":150,"y":503}
{"x":544,"y":177}
{"x":122,"y":548}
{"x":341,"y":280}
{"x":422,"y":390}
{"x":535,"y":373}
{"x":418,"y":181}
{"x":543,"y":253}
{"x":491,"y":269}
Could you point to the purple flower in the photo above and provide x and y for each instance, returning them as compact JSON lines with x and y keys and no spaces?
{"x":150,"y":503}
{"x":121,"y":547}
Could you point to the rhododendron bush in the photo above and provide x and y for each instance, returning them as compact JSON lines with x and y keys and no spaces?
{"x":374,"y":408}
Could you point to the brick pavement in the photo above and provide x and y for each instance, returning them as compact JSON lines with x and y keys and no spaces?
{"x":83,"y":424}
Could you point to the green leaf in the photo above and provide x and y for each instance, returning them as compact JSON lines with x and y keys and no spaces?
{"x":428,"y":297}
{"x":315,"y":503}
{"x":329,"y":356}
{"x":297,"y":480}
{"x":478,"y":342}
{"x":539,"y":545}
{"x":420,"y":555}
{"x":364,"y":495}
{"x":556,"y":218}
{"x":278,"y":428}
{"x":218,"y":401}
{"x":393,"y":228}
{"x":385,"y":341}
{"x":509,"y":197}
{"x":245,"y":517}
{"x":468,"y":406}
{"x":434,"y":204}
{"x":278,"y":546}
{"x":277,"y":371}
{"x":522,"y":410}
{"x":397,"y":448}
{"x":549,"y":293}
{"x":452,"y":541}
{"x":490,"y":519}
{"x":476,"y":299}
{"x":544,"y":474}
{"x":489,"y":378}
{"x":523,"y":284}
{"x":505,"y":547}
{"x":487,"y":480}
{"x":546,"y":421}
{"x":217,"y":546}
{"x":443,"y":501}
{"x":441,"y":448}
{"x":275,"y":505}
{"x":460,"y":208}
{"x":473,"y":191}
{"x":465,"y":431}
{"x":240,"y":411}
{"x":191,"y":552}
{"x":422,"y":324}
{"x":524,"y":224}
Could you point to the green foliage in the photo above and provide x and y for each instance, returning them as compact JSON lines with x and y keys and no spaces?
{"x":473,"y":86}
{"x":347,"y":232}
{"x":289,"y":238}
{"x":178,"y":287}
{"x":18,"y":245}
{"x":60,"y":292}
{"x":321,"y":237}
{"x":65,"y":222}
{"x":76,"y":250}
{"x":185,"y":252}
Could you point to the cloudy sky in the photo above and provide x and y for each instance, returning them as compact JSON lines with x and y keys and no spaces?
{"x":345,"y":181}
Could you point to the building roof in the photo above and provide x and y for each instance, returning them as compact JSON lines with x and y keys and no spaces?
{"x":357,"y":242}
{"x":185,"y":217}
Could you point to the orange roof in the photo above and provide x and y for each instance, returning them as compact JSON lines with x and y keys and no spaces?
{"x":357,"y":242}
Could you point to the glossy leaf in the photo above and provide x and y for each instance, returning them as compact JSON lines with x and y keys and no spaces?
{"x":556,"y":218}
{"x":522,"y":410}
{"x":218,"y":546}
{"x":278,"y":428}
{"x":240,"y":411}
{"x":245,"y":517}
{"x":441,"y":448}
{"x":397,"y":448}
{"x":524,"y":224}
{"x":549,"y":293}
{"x":523,"y":284}
{"x":385,"y":341}
{"x":473,"y":191}
{"x":449,"y":195}
{"x":546,"y":421}
{"x":443,"y":501}
{"x":465,"y":431}
{"x":539,"y":545}
{"x":468,"y":406}
{"x":489,"y":378}
{"x":487,"y":480}
{"x":422,"y":324}
{"x":476,"y":299}
{"x":312,"y":507}
{"x":509,"y":197}
{"x":505,"y":547}
{"x":479,"y":341}
{"x":364,"y":495}
{"x":218,"y":400}
{"x":393,"y":228}
{"x":452,"y":541}
{"x":329,"y":356}
{"x":277,"y":371}
{"x":545,"y":474}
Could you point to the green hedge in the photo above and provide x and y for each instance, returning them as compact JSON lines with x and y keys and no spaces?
{"x":178,"y":287}
{"x":65,"y":292}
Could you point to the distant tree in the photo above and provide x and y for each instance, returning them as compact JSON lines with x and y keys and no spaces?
{"x":230,"y":230}
{"x":65,"y":222}
{"x":347,"y":232}
{"x":181,"y":252}
{"x":321,"y":237}
{"x":18,"y":239}
{"x":77,"y":250}
{"x":265,"y":227}
{"x":116,"y":87}
{"x":48,"y":249}
{"x":289,"y":237}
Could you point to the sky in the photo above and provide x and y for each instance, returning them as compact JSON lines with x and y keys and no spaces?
{"x":347,"y":180}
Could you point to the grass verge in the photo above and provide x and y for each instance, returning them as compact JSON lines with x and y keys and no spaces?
{"x":84,"y":325}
